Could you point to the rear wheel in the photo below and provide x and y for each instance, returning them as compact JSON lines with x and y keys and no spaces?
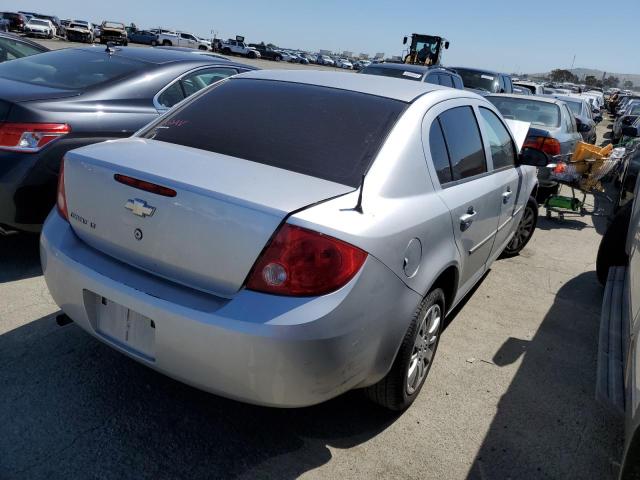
{"x":202,"y":47}
{"x":403,"y":383}
{"x":166,"y":43}
{"x":525,"y":229}
{"x":226,"y":51}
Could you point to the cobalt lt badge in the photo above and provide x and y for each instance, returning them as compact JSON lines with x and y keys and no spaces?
{"x":138,"y":234}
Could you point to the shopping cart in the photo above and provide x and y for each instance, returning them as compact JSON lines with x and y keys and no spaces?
{"x":589,"y":171}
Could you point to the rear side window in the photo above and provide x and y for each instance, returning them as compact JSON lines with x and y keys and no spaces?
{"x":191,"y":83}
{"x":11,"y":49}
{"x":439,"y":153}
{"x":324,"y":132}
{"x":502,"y":150}
{"x":69,"y":68}
{"x":464,"y":143}
{"x":457,"y":82}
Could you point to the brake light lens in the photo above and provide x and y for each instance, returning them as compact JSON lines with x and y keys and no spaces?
{"x":61,"y":199}
{"x":144,"y":185}
{"x":301,"y":262}
{"x":548,"y":145}
{"x":30,"y":137}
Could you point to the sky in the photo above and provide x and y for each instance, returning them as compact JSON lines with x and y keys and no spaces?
{"x":509,"y":36}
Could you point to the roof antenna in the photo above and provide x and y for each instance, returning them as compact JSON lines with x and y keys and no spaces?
{"x":110,"y":48}
{"x":358,"y":207}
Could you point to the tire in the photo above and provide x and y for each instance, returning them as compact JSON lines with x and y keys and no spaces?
{"x":125,"y":43}
{"x":525,"y":229}
{"x":251,"y":55}
{"x":546,"y":192}
{"x":397,"y":390}
{"x":166,"y":43}
{"x":611,"y":251}
{"x":201,"y":47}
{"x":226,"y":51}
{"x":278,"y":58}
{"x":154,"y":43}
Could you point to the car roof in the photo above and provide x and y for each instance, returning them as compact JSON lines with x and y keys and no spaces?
{"x":479,"y":70}
{"x":411,"y":68}
{"x":159,"y":56}
{"x":532,"y":98}
{"x":394,"y":88}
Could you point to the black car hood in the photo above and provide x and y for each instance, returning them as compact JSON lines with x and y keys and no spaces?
{"x":15,"y":91}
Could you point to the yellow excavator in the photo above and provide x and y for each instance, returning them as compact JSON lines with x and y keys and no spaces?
{"x":425,"y":49}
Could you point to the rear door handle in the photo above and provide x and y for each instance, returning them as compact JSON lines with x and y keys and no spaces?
{"x":506,"y":195}
{"x":467,"y":219}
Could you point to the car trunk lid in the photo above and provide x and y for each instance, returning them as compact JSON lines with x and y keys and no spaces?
{"x":209,"y":234}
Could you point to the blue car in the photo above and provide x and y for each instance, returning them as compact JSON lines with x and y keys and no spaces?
{"x":142,"y":36}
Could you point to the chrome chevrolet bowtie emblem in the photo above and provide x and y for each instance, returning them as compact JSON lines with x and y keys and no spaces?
{"x":139,"y":207}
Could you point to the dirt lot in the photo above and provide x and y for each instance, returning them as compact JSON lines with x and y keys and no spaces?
{"x":511,"y":394}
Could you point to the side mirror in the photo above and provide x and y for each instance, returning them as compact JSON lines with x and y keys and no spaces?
{"x":446,"y":45}
{"x":598,"y":118}
{"x":583,"y":127}
{"x":630,"y":131}
{"x":404,"y":41}
{"x":627,"y":120}
{"x":533,"y":157}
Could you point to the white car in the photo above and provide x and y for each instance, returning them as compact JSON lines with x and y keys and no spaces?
{"x":344,"y":63}
{"x":237,"y":47}
{"x":286,"y":56}
{"x":38,"y":27}
{"x":181,"y":39}
{"x":325,"y":60}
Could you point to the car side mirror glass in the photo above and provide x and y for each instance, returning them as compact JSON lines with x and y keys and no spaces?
{"x":533,"y":157}
{"x":583,"y":127}
{"x":630,"y":131}
{"x":598,"y":118}
{"x":404,"y":41}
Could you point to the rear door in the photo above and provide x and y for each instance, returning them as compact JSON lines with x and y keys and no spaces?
{"x":466,"y":186}
{"x":571,"y":135}
{"x":508,"y":180}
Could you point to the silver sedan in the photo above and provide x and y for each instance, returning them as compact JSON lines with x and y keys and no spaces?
{"x":284,"y":237}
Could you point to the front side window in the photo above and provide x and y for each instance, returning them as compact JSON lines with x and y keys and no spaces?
{"x":445,"y":80}
{"x":503,"y":152}
{"x":11,"y":49}
{"x":464,"y":143}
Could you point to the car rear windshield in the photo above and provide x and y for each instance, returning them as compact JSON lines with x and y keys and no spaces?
{"x":324,"y":132}
{"x":526,"y":110}
{"x":392,"y":72}
{"x":69,"y":68}
{"x":485,"y":81}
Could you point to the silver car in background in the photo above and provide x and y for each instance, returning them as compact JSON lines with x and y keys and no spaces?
{"x":309,"y":241}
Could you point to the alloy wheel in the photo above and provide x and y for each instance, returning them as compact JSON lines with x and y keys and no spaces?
{"x":424,"y":347}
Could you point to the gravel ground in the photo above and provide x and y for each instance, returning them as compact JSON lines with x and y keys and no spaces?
{"x":511,"y":393}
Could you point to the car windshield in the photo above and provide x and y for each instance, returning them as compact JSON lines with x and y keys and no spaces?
{"x":323,"y":132}
{"x":119,"y":26}
{"x":528,"y":110}
{"x":479,"y":80}
{"x":392,"y":72}
{"x":43,"y":23}
{"x":69,"y":68}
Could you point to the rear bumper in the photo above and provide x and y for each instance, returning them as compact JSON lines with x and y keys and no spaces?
{"x":263,"y":349}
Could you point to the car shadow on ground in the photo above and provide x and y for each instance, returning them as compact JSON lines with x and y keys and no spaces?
{"x":548,"y":424}
{"x":72,"y":407}
{"x":19,"y":257}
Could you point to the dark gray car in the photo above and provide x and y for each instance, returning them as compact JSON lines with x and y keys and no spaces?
{"x":484,"y":82}
{"x":437,"y":75}
{"x":57,"y":101}
{"x":553,"y":127}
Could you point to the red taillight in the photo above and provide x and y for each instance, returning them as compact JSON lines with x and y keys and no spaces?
{"x":300,"y":262}
{"x":30,"y":137}
{"x":548,"y":145}
{"x":146,"y":186}
{"x":61,"y":201}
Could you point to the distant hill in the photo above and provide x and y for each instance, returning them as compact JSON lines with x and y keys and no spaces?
{"x":583,"y":72}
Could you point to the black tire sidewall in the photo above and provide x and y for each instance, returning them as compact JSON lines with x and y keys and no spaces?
{"x":532,"y":204}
